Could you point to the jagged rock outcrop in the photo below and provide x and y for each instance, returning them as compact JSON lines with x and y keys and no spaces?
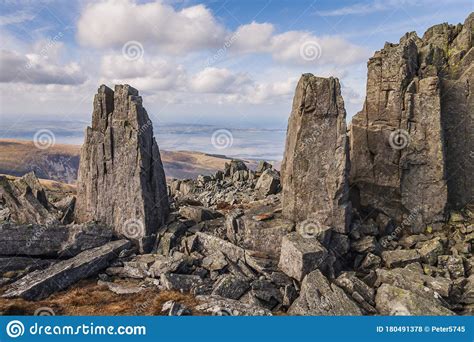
{"x":411,"y":145}
{"x":315,"y":167}
{"x":121,"y":178}
{"x":25,"y":201}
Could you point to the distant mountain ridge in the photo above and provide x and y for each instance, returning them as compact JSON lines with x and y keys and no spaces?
{"x":61,"y":162}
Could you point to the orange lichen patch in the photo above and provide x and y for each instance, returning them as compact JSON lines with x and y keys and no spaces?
{"x":87,"y":298}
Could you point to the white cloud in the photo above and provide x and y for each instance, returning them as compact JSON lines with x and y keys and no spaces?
{"x":215,"y":80}
{"x":154,"y":74}
{"x":296,"y":47}
{"x":34,"y":68}
{"x":112,"y":23}
{"x":253,"y":37}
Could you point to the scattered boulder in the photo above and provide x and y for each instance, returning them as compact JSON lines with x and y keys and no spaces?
{"x":181,"y":282}
{"x":231,"y":286}
{"x":318,"y":297}
{"x":219,"y":306}
{"x":198,"y":214}
{"x":394,"y":301}
{"x":400,"y":258}
{"x":300,"y":256}
{"x":120,"y":148}
{"x":316,"y":158}
{"x":268,"y":183}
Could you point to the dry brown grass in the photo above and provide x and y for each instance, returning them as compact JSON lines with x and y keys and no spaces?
{"x":86,"y":298}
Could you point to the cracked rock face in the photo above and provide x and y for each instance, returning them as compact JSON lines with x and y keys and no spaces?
{"x":121,"y":178}
{"x":316,"y":162}
{"x":410,"y":145}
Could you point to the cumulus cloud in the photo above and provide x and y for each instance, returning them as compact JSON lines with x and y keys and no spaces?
{"x":158,"y":26}
{"x":215,"y":80}
{"x":34,"y":68}
{"x":153,"y":24}
{"x":154,"y":74}
{"x":296,"y":47}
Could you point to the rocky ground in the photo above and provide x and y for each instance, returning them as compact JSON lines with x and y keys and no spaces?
{"x":240,"y":257}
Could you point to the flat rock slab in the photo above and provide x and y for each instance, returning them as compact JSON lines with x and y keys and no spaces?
{"x":51,"y":241}
{"x":42,"y":283}
{"x":394,"y":301}
{"x":318,"y":297}
{"x":8,"y":264}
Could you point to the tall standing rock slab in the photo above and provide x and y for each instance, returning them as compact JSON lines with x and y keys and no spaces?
{"x":121,"y":178}
{"x":411,"y":145}
{"x":315,"y":167}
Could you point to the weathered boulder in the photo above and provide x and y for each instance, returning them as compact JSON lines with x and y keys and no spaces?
{"x":394,"y":301}
{"x":400,"y":258}
{"x":315,"y":166}
{"x":318,"y":297}
{"x":233,"y":167}
{"x":121,"y":179}
{"x":181,"y":282}
{"x":268,"y":183}
{"x":198,"y":214}
{"x":415,"y":281}
{"x":42,"y":283}
{"x":231,"y":287}
{"x":300,"y":256}
{"x":410,"y":143}
{"x":219,"y":306}
{"x":252,"y":231}
{"x":51,"y":240}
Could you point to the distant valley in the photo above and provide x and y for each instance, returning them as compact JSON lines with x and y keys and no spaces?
{"x":61,"y":161}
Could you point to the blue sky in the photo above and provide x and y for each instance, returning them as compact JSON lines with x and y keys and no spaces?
{"x":228,"y":63}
